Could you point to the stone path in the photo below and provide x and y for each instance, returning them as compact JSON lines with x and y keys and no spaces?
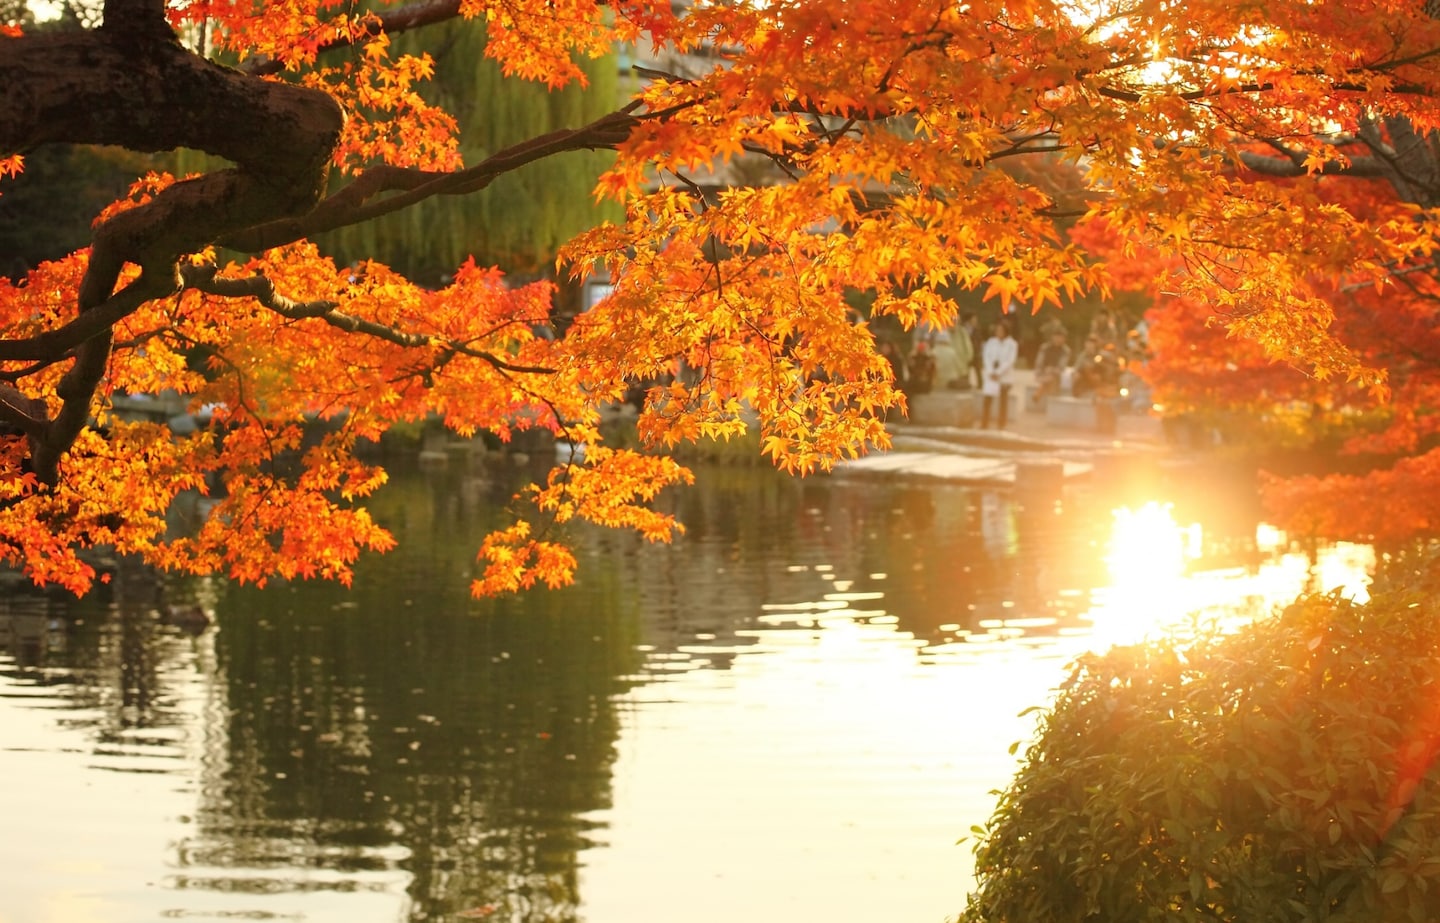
{"x":1029,"y":450}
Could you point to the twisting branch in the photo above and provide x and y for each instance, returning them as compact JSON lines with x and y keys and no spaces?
{"x":131,"y":83}
{"x":204,"y":278}
{"x":358,"y":201}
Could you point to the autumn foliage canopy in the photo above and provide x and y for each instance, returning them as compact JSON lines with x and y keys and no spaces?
{"x":1218,"y":136}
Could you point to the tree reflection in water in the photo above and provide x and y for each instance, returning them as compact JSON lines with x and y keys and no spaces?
{"x":402,"y":726}
{"x":112,"y":652}
{"x":401,"y":739}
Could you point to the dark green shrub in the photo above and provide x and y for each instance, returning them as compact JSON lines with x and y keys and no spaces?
{"x":1283,"y":773}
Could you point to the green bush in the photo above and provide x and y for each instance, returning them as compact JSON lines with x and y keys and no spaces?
{"x":1283,"y":773}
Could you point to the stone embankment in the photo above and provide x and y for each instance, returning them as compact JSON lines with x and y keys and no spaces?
{"x":1041,"y":446}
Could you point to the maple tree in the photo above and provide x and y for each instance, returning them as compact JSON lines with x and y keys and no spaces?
{"x":884,"y":126}
{"x":1208,"y":382}
{"x":1201,"y":372}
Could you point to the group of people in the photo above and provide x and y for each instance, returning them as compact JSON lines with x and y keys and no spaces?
{"x":960,"y":360}
{"x":964,"y":359}
{"x":1104,"y":367}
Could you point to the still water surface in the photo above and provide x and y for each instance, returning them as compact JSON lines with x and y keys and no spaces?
{"x":793,"y":713}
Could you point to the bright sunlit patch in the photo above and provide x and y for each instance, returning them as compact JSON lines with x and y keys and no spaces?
{"x":44,"y":11}
{"x":1147,"y":546}
{"x":1269,"y":539}
{"x":1158,"y":582}
{"x":1146,"y":558}
{"x":1344,"y":567}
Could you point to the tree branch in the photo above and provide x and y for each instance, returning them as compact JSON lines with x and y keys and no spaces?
{"x":357,"y":202}
{"x":27,"y":414}
{"x":203,"y":278}
{"x":131,"y":83}
{"x":1287,"y":165}
{"x":136,"y":16}
{"x":401,"y":19}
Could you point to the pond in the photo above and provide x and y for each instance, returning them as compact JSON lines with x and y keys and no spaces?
{"x":792,"y":713}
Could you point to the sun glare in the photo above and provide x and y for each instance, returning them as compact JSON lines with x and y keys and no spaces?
{"x":45,"y":11}
{"x":1147,"y":546}
{"x":1160,"y":577}
{"x":1146,"y":560}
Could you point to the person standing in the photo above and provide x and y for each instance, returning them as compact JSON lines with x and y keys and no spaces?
{"x":947,"y":364}
{"x":998,"y":357}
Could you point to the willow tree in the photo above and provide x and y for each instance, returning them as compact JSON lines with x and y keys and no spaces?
{"x":886,"y":120}
{"x":521,"y":224}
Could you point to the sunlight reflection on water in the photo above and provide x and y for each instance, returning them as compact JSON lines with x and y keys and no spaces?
{"x":790,"y":715}
{"x":1158,"y":578}
{"x":854,"y":752}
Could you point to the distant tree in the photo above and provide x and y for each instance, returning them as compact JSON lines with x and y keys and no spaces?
{"x":1205,"y":129}
{"x":521,"y":224}
{"x":1388,"y":427}
{"x":1199,"y":372}
{"x":45,"y":213}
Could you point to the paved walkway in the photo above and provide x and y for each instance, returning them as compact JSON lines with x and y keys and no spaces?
{"x":1029,"y":444}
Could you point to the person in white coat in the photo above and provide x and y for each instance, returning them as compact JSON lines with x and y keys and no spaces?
{"x":998,"y":362}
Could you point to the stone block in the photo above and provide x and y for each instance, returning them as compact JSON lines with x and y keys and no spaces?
{"x":1072,"y":412}
{"x":945,"y":408}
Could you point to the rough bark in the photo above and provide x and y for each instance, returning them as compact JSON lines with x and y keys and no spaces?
{"x":130,"y":83}
{"x":145,"y":92}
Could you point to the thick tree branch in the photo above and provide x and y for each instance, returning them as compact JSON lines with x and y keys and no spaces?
{"x":358,"y":201}
{"x":147,"y":93}
{"x":130,"y":83}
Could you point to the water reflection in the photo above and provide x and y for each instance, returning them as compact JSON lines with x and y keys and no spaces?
{"x":33,"y":635}
{"x":99,"y":705}
{"x":1163,"y":573}
{"x":792,"y":713}
{"x":402,"y":737}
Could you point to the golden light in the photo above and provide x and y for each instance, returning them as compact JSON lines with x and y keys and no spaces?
{"x":1146,"y":559}
{"x":1147,"y":546}
{"x":1159,"y":580}
{"x":1269,"y":539}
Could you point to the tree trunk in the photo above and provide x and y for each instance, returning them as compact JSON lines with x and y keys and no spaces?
{"x":130,"y":83}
